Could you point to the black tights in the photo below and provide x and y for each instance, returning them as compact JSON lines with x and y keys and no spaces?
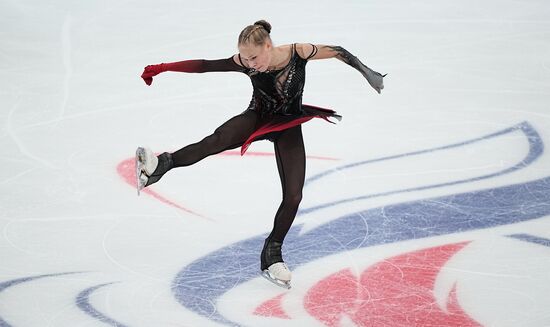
{"x":289,"y":152}
{"x":291,"y":163}
{"x":230,"y":135}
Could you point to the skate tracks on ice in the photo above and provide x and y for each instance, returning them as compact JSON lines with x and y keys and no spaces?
{"x":415,"y":286}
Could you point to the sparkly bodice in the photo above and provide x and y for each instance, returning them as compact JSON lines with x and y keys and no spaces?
{"x":279,"y":91}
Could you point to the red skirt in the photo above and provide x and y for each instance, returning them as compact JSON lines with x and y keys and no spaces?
{"x":277,"y":123}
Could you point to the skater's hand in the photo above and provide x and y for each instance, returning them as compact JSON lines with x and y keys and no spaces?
{"x":375,"y":79}
{"x":150,"y":71}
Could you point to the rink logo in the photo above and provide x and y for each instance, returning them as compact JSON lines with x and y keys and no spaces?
{"x":396,"y":291}
{"x":200,"y":284}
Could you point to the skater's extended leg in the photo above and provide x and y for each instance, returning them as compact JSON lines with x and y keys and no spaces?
{"x":230,"y":135}
{"x":291,"y":162}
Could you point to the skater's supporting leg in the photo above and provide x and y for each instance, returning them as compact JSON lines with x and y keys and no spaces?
{"x":291,"y":162}
{"x":230,"y":135}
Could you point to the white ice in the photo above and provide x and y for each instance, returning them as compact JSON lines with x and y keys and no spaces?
{"x":73,"y":108}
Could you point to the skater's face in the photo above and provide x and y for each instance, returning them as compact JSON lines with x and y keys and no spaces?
{"x":256,"y":56}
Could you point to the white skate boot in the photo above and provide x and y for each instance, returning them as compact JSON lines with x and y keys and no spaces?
{"x":279,"y":274}
{"x":146,"y":163}
{"x":272,"y":265}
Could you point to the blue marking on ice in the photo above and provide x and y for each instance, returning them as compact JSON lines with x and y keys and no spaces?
{"x":531,"y":239}
{"x":14,"y":282}
{"x":535,"y":150}
{"x":83,"y":303}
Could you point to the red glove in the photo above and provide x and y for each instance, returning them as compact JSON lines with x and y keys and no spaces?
{"x":150,"y":71}
{"x":187,"y":66}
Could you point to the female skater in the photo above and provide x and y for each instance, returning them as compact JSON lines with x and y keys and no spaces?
{"x":276,"y":113}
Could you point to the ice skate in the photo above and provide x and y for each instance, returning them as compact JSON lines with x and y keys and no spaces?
{"x":150,"y":168}
{"x":273,"y":267}
{"x":279,"y":274}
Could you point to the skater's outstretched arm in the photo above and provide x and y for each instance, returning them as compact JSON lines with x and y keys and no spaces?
{"x":190,"y":66}
{"x":312,"y":52}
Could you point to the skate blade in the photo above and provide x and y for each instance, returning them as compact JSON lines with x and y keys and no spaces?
{"x":141,"y":180}
{"x":278,"y":282}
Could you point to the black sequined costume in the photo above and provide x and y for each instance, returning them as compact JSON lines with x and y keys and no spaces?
{"x":279,"y":91}
{"x":277,"y":96}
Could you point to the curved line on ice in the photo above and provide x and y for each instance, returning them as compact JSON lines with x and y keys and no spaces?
{"x":10,"y":283}
{"x":535,"y":150}
{"x":83,"y":303}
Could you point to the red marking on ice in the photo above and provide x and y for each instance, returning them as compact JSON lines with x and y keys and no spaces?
{"x":272,"y":308}
{"x":333,"y":297}
{"x":126,"y":169}
{"x":395,"y":292}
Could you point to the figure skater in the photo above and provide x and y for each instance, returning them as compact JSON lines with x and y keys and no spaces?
{"x":275,"y":113}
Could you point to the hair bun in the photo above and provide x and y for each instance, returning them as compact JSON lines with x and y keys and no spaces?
{"x":264,"y":24}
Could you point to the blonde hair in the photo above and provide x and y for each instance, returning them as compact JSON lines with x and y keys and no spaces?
{"x":256,"y":34}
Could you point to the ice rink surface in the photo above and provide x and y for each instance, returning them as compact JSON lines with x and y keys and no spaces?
{"x":428,"y":205}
